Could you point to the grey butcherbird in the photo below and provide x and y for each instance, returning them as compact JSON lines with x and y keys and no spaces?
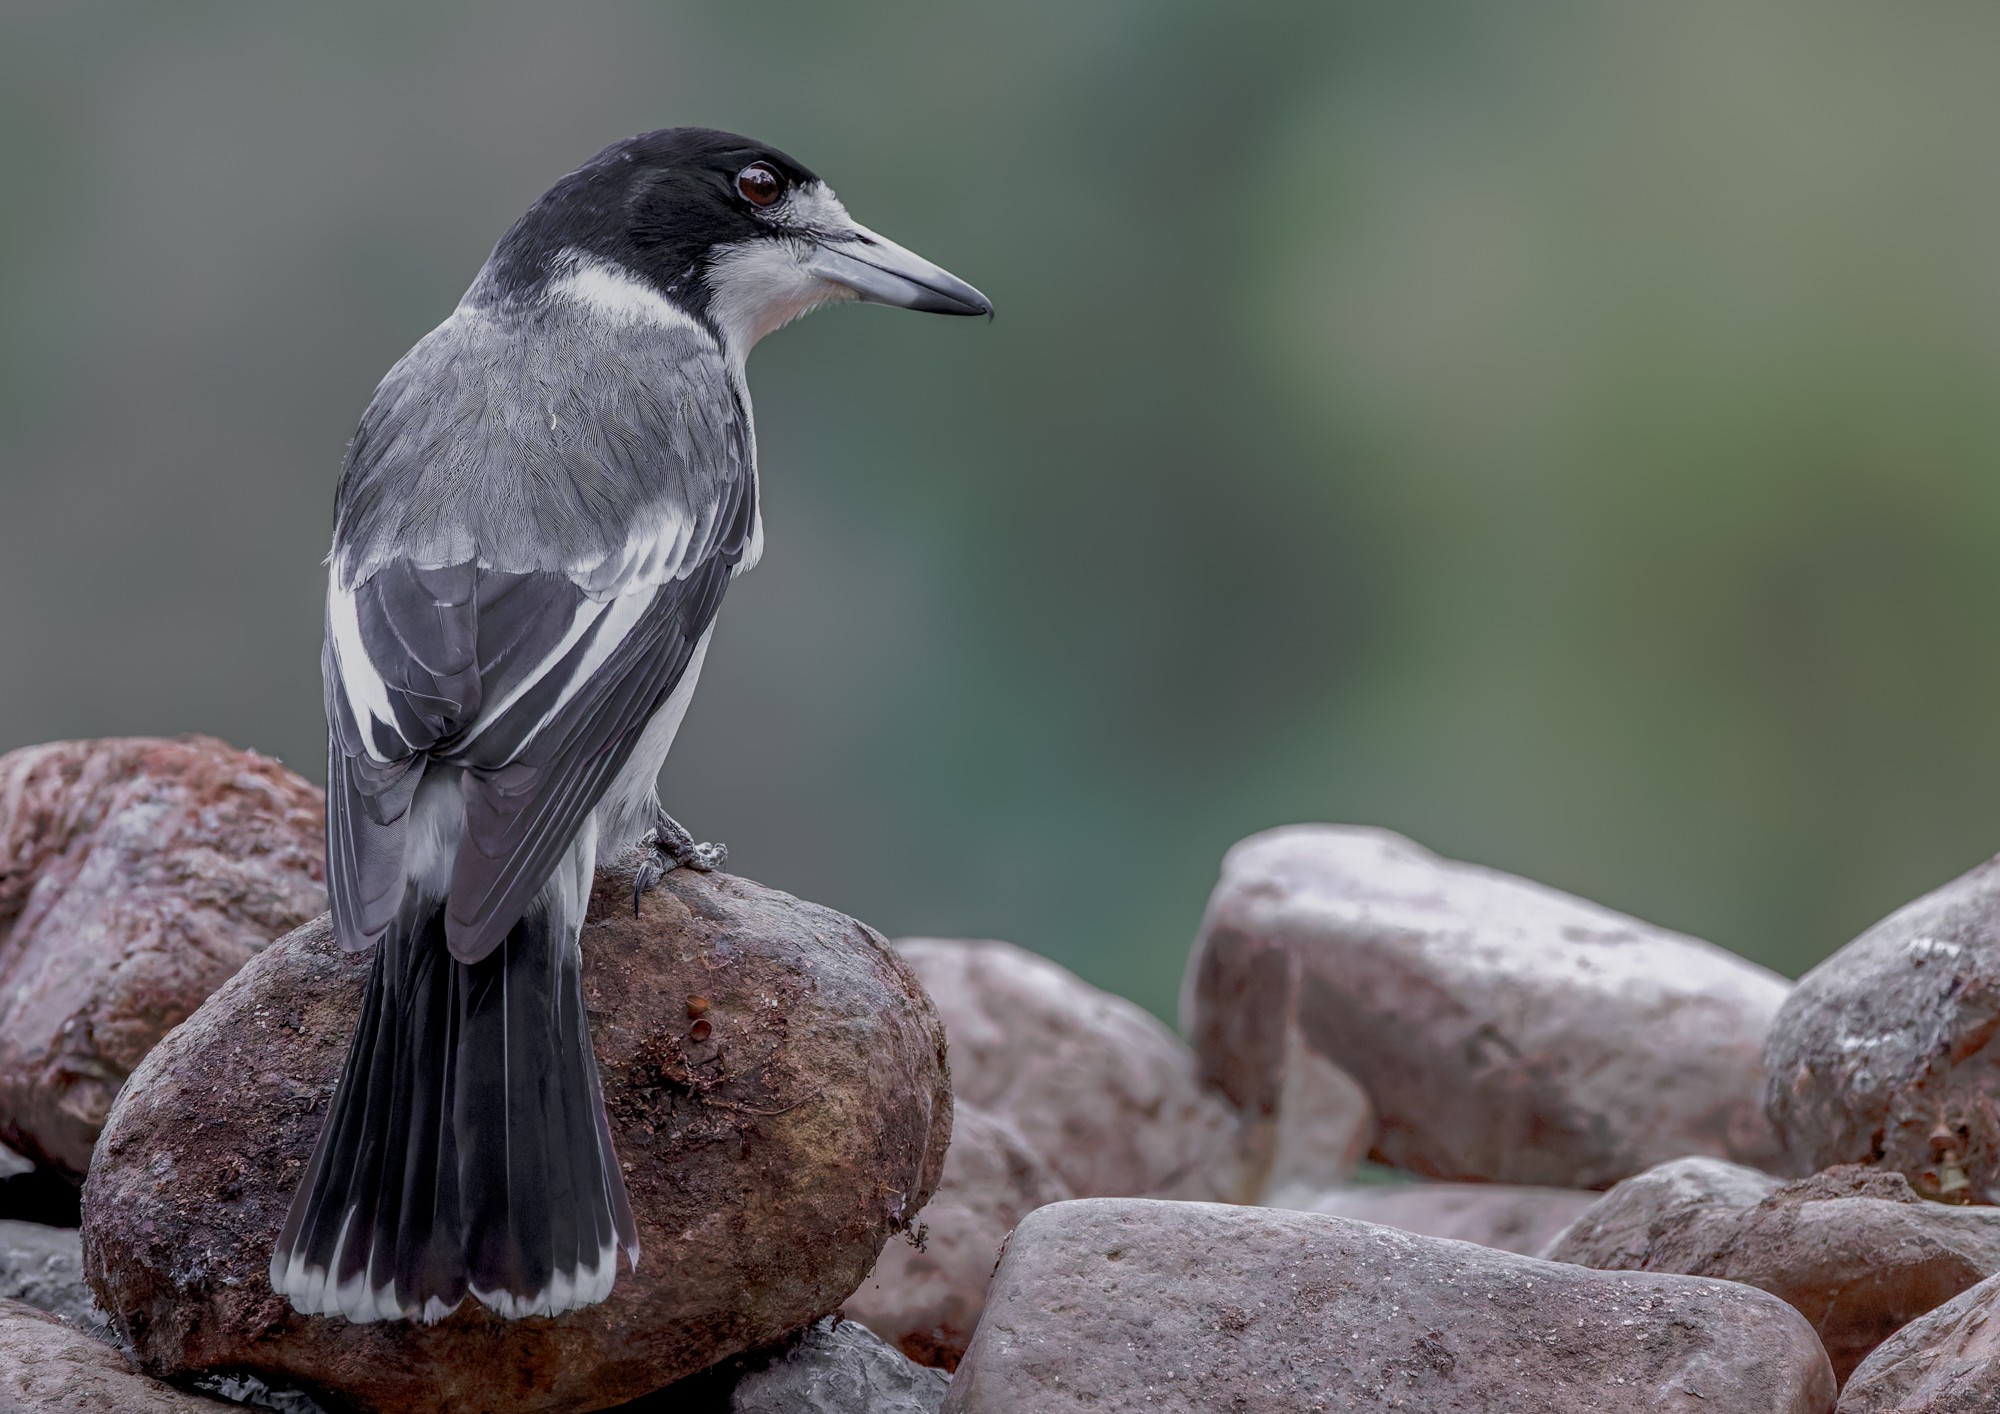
{"x":535,"y":523}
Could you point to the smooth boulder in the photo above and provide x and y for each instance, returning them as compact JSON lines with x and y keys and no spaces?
{"x":1855,"y":1250}
{"x":136,"y":875}
{"x":1889,"y":1051}
{"x":1504,"y":1031}
{"x":776,"y":1084}
{"x":1947,"y":1361}
{"x":1188,"y":1308}
{"x":1511,"y":1217}
{"x":1095,"y":1084}
{"x":929,"y":1286}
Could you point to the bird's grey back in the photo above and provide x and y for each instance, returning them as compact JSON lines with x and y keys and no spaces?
{"x":539,"y":437}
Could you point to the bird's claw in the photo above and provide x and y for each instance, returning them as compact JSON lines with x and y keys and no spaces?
{"x":672,"y":847}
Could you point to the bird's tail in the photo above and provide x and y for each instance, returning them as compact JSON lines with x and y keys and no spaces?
{"x":466,"y":1149}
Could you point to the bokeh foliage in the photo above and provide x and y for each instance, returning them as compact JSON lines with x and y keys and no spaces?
{"x":1564,"y":432}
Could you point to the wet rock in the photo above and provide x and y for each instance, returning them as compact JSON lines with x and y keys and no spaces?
{"x":1504,"y":1031}
{"x":47,"y":1367}
{"x":135,"y":876}
{"x":1855,"y":1250}
{"x":1889,"y":1051}
{"x":42,"y":1267}
{"x":1096,"y":1085}
{"x":925,"y":1300}
{"x":1507,"y":1216}
{"x":1944,"y":1362}
{"x":771,"y":1144}
{"x":1128,"y":1304}
{"x":833,"y":1367}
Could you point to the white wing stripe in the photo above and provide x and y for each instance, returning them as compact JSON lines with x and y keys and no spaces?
{"x":587,"y":613}
{"x":367,"y":694}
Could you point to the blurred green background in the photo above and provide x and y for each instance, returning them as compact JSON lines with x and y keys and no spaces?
{"x":1566,"y":433}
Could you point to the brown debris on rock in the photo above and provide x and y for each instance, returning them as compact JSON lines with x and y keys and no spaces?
{"x":925,"y":1299}
{"x":1096,"y":1085}
{"x":136,"y":875}
{"x":768,"y":1158}
{"x":1854,"y":1249}
{"x":1946,"y":1361}
{"x":1511,"y":1217}
{"x":1504,"y":1031}
{"x":1889,"y":1051}
{"x":1189,"y":1308}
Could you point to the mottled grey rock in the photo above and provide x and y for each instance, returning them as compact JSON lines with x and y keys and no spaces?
{"x":775,"y":1080}
{"x":1189,"y":1308}
{"x":47,"y":1367}
{"x":840,"y":1368}
{"x":831,"y":1367}
{"x":1855,"y":1250}
{"x":925,"y":1300}
{"x":1889,"y":1051}
{"x":135,"y":876}
{"x":1503,"y":1215}
{"x":42,"y":1267}
{"x":1946,"y":1361}
{"x":1096,"y":1085}
{"x":1505,"y":1032}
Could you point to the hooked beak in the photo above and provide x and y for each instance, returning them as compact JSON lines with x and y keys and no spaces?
{"x":882,"y":272}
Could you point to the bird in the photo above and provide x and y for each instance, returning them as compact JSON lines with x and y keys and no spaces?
{"x":534,"y":526}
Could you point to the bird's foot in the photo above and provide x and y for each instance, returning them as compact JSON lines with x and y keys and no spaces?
{"x":670,"y":846}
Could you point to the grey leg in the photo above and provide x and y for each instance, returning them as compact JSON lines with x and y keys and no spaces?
{"x":672,"y":847}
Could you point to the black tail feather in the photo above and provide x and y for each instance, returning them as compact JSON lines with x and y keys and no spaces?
{"x":467,"y":1147}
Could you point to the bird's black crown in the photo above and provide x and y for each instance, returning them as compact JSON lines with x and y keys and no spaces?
{"x":655,"y":204}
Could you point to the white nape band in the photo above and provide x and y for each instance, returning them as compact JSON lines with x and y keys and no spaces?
{"x":616,"y":294}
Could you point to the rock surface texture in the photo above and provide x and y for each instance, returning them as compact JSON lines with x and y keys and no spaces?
{"x":1889,"y":1051}
{"x":926,"y":1300}
{"x":136,"y":875}
{"x":833,"y":1367}
{"x":1503,"y":1215}
{"x":1097,"y":1086}
{"x":1114,"y":1305}
{"x":776,"y":1084}
{"x":42,"y":1267}
{"x":1944,"y":1362}
{"x":1855,"y":1250}
{"x":46,"y":1367}
{"x":1504,"y":1031}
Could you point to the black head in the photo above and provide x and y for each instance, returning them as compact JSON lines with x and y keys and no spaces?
{"x":736,"y":233}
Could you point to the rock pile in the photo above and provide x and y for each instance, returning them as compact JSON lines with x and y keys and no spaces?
{"x":775,"y":1078}
{"x":1889,"y":1051}
{"x":135,"y":876}
{"x":1176,"y":1230}
{"x":1062,"y":1090}
{"x":1127,"y":1304}
{"x":1854,"y":1249}
{"x":1505,"y":1032}
{"x":1511,"y":1217}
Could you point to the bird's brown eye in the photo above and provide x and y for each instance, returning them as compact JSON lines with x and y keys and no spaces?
{"x":760,"y":184}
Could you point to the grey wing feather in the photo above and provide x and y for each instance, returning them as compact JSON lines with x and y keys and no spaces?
{"x":591,"y":556}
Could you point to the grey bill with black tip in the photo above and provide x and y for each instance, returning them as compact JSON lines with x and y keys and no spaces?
{"x":882,"y":272}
